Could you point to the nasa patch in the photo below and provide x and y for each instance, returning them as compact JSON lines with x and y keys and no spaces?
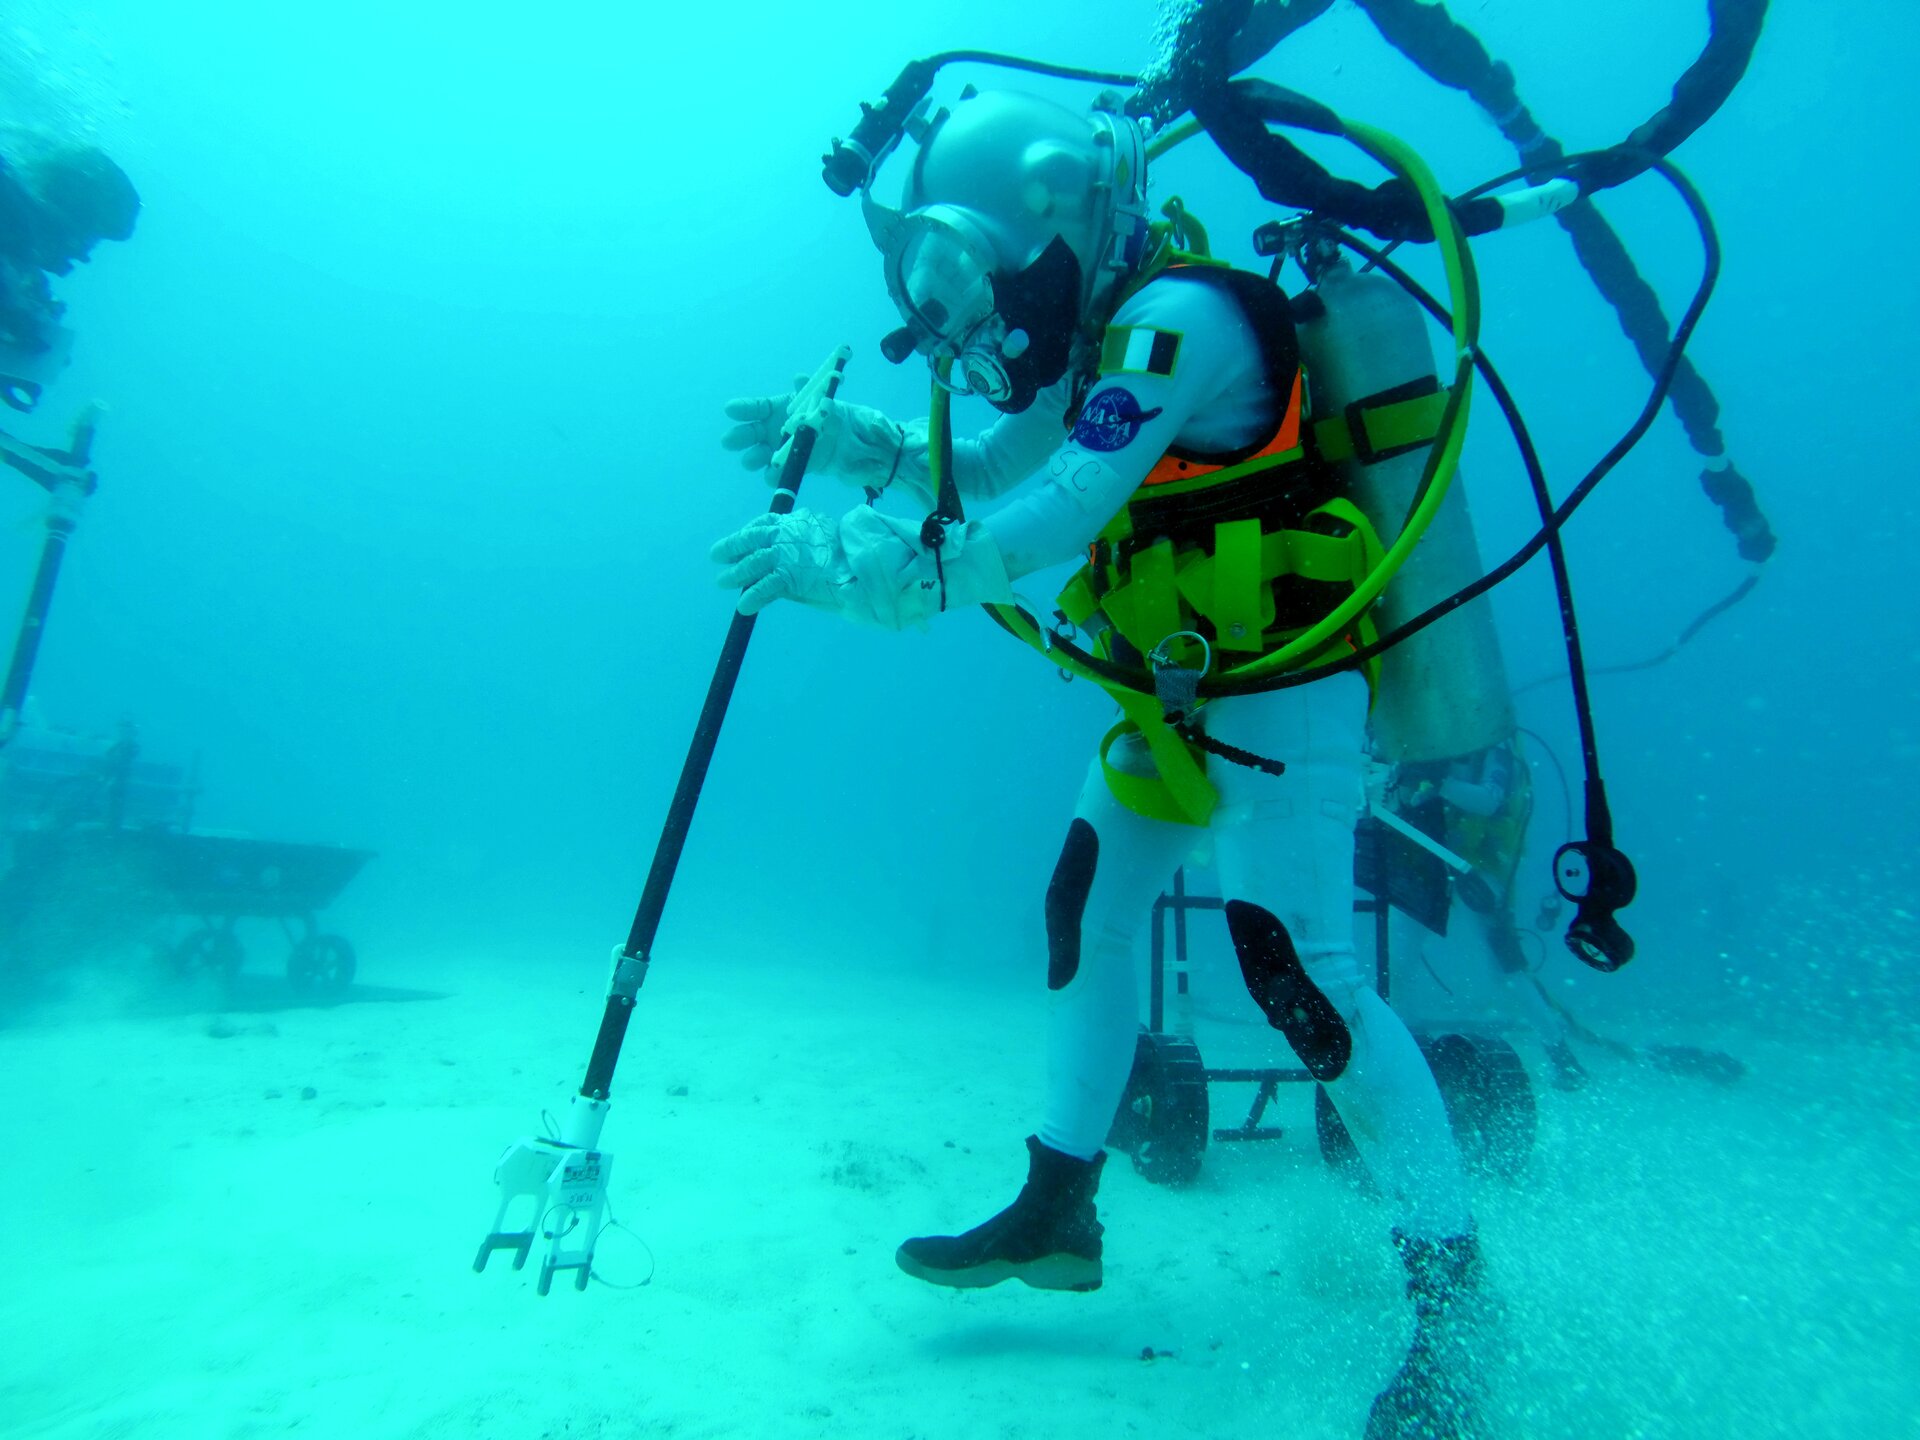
{"x":1110,"y":420}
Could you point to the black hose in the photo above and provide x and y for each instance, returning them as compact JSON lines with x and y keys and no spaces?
{"x":1033,"y":67}
{"x":1734,"y":34}
{"x":1694,"y":627}
{"x":1727,"y":487}
{"x":1559,"y":770}
{"x":1235,"y":112}
{"x":1556,"y":553}
{"x":849,"y":164}
{"x":1208,"y":44}
{"x":1236,"y":116}
{"x":1448,"y":52}
{"x":1451,"y":54}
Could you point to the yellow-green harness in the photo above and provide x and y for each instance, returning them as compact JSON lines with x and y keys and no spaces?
{"x":1157,"y":589}
{"x":1222,"y":579}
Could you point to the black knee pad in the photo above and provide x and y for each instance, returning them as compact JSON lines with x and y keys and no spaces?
{"x":1278,"y":982}
{"x":1067,"y":902}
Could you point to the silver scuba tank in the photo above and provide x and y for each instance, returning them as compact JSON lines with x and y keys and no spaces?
{"x":1443,"y":693}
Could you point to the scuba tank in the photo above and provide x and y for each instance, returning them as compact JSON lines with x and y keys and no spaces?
{"x":1442,"y":692}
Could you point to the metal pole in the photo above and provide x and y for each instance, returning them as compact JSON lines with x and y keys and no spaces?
{"x":631,"y":964}
{"x":558,"y":1183}
{"x":1157,"y":980}
{"x":68,"y":483}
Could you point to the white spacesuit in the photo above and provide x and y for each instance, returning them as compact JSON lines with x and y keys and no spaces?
{"x":1153,"y":416}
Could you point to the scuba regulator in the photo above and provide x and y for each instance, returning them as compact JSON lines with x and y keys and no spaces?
{"x":1598,"y":880}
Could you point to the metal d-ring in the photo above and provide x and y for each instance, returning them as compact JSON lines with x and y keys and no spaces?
{"x":1177,"y":687}
{"x":1161,"y":659}
{"x":1062,"y":629}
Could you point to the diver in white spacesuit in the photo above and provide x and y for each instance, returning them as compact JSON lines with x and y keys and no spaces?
{"x":1155,"y":412}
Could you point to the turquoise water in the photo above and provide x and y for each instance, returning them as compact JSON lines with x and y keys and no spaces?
{"x":409,"y":466}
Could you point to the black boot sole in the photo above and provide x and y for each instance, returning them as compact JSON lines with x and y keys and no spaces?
{"x":1073,"y":1273}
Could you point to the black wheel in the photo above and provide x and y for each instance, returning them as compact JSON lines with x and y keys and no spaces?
{"x":1336,"y":1145}
{"x":211,"y":950}
{"x":1489,"y":1101}
{"x":320,"y":965}
{"x":1164,"y":1120}
{"x":1489,"y":1104}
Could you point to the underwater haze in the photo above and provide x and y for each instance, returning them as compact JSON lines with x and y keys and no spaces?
{"x":409,"y":464}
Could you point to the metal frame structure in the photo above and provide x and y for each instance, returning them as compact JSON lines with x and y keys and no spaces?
{"x":1165,"y":1118}
{"x":1177,"y":902}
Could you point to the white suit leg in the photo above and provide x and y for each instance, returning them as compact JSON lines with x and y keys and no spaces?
{"x":1285,"y":852}
{"x":1113,"y":866}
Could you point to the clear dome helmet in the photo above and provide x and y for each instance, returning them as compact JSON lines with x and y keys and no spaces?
{"x":1019,"y":218}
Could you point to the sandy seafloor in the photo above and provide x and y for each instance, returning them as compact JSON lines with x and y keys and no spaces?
{"x":199,"y":1251}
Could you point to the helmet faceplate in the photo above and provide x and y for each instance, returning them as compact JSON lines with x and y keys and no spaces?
{"x":1015,"y":223}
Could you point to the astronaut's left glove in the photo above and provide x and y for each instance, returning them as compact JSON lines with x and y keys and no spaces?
{"x":870,"y":567}
{"x":859,"y":444}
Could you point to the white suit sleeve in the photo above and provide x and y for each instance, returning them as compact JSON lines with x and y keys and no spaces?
{"x":1130,"y":420}
{"x":877,"y":568}
{"x":996,"y":460}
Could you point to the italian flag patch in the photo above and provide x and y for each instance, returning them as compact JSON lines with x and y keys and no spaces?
{"x":1139,"y":350}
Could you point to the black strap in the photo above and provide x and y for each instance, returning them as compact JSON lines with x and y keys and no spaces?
{"x":947,"y":506}
{"x":933,"y":535}
{"x":1194,"y":735}
{"x":1177,"y":688}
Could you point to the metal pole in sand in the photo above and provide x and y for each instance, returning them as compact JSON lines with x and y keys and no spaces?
{"x":564,"y":1177}
{"x":64,"y":475}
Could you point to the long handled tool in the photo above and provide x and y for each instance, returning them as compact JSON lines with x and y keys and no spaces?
{"x":64,"y":475}
{"x":563,"y":1179}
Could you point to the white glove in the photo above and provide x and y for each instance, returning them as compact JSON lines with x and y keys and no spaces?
{"x":855,"y":442}
{"x":784,"y":557}
{"x":868,"y":566}
{"x":759,"y":433}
